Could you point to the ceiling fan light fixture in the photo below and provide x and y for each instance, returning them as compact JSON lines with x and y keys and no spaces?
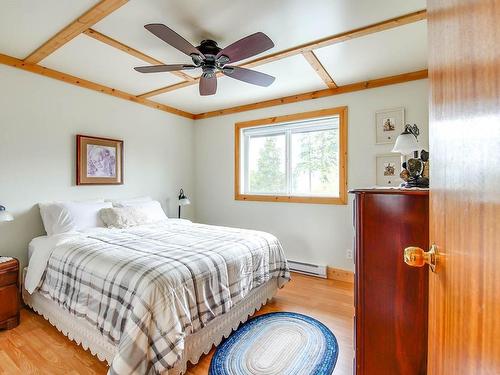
{"x":208,"y":74}
{"x":223,"y":60}
{"x":197,"y":59}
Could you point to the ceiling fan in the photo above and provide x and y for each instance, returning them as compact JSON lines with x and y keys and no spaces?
{"x":212,"y":59}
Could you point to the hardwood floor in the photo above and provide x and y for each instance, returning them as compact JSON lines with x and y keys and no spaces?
{"x":36,"y":347}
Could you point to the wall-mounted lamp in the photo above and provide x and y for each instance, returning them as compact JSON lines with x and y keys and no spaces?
{"x":183,"y":201}
{"x":5,"y":215}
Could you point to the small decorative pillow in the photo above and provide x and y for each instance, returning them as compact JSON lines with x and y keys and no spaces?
{"x":129,"y":202}
{"x":125,"y":217}
{"x":152,"y":209}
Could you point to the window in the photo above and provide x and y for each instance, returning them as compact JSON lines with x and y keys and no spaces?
{"x":295,"y":158}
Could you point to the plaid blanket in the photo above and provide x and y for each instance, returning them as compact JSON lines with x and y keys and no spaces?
{"x":147,"y":287}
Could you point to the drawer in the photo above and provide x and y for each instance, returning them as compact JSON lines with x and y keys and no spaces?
{"x":8,"y":278}
{"x":9,"y":307}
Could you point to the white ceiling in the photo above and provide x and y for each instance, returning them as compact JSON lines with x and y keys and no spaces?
{"x":287,"y":22}
{"x":26,"y":24}
{"x":293,"y":75}
{"x":389,"y":52}
{"x":93,"y":60}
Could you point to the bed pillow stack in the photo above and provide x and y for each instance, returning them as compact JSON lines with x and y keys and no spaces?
{"x":63,"y":217}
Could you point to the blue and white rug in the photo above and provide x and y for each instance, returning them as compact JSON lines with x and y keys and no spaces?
{"x":280,"y":343}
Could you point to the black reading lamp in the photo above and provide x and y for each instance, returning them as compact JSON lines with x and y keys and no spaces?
{"x":183,"y":201}
{"x":5,"y":215}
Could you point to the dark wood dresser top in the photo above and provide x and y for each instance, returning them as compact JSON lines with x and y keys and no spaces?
{"x":390,"y":191}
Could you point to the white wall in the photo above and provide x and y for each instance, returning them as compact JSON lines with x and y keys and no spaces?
{"x":39,"y":118}
{"x":309,"y":232}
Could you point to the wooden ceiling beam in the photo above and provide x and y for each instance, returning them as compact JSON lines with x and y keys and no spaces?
{"x":320,"y":43}
{"x":47,"y":72}
{"x":131,"y":51}
{"x":392,"y":80}
{"x":313,"y":60}
{"x":165,"y":89}
{"x":75,"y":28}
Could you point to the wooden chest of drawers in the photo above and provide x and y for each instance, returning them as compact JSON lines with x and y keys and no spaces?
{"x":391,"y":297}
{"x":9,"y":294}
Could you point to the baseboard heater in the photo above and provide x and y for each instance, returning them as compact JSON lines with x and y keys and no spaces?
{"x":307,"y":268}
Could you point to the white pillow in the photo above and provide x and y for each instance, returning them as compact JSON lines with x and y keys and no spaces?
{"x":152,"y":209}
{"x":62,"y":217}
{"x":49,"y":212}
{"x":124,"y":217}
{"x":131,"y":201}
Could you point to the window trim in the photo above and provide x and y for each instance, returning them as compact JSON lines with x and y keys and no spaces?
{"x":340,"y":200}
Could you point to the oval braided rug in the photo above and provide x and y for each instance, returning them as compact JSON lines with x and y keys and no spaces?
{"x":281,"y":343}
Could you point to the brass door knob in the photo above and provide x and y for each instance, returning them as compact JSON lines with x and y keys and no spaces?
{"x":417,"y":257}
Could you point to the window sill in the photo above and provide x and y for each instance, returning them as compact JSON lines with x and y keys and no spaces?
{"x":291,"y":199}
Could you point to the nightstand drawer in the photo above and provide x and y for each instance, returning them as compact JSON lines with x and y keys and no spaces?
{"x":8,"y":278}
{"x":10,"y":302}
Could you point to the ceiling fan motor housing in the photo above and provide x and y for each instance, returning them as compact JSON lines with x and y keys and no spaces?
{"x":210,"y":64}
{"x":209,"y":47}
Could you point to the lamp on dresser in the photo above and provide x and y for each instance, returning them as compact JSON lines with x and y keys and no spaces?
{"x":413,"y":168}
{"x":407,"y":141}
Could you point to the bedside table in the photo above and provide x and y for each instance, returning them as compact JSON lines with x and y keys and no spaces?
{"x":9,"y":293}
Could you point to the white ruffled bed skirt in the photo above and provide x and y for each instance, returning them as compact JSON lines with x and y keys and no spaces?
{"x":197,"y":344}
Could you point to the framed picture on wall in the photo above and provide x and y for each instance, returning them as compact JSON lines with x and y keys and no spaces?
{"x":388,"y":170}
{"x":99,"y":161}
{"x":389,"y":124}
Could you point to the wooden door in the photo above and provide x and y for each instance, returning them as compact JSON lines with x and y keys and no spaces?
{"x":464,"y":299}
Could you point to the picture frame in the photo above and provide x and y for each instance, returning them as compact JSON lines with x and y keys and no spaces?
{"x":99,"y":161}
{"x":388,"y":167}
{"x":389,"y":123}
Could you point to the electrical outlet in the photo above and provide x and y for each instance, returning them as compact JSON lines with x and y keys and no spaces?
{"x":348,"y":254}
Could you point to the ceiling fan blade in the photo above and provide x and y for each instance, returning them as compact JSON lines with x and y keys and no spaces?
{"x":163,"y":68}
{"x":247,"y":47}
{"x":208,"y":86}
{"x":250,"y":76}
{"x":171,"y":37}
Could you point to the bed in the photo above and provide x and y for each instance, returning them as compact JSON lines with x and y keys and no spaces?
{"x":150,"y":298}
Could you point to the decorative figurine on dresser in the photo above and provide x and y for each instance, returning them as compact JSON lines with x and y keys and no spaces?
{"x":391,"y":298}
{"x":9,"y":292}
